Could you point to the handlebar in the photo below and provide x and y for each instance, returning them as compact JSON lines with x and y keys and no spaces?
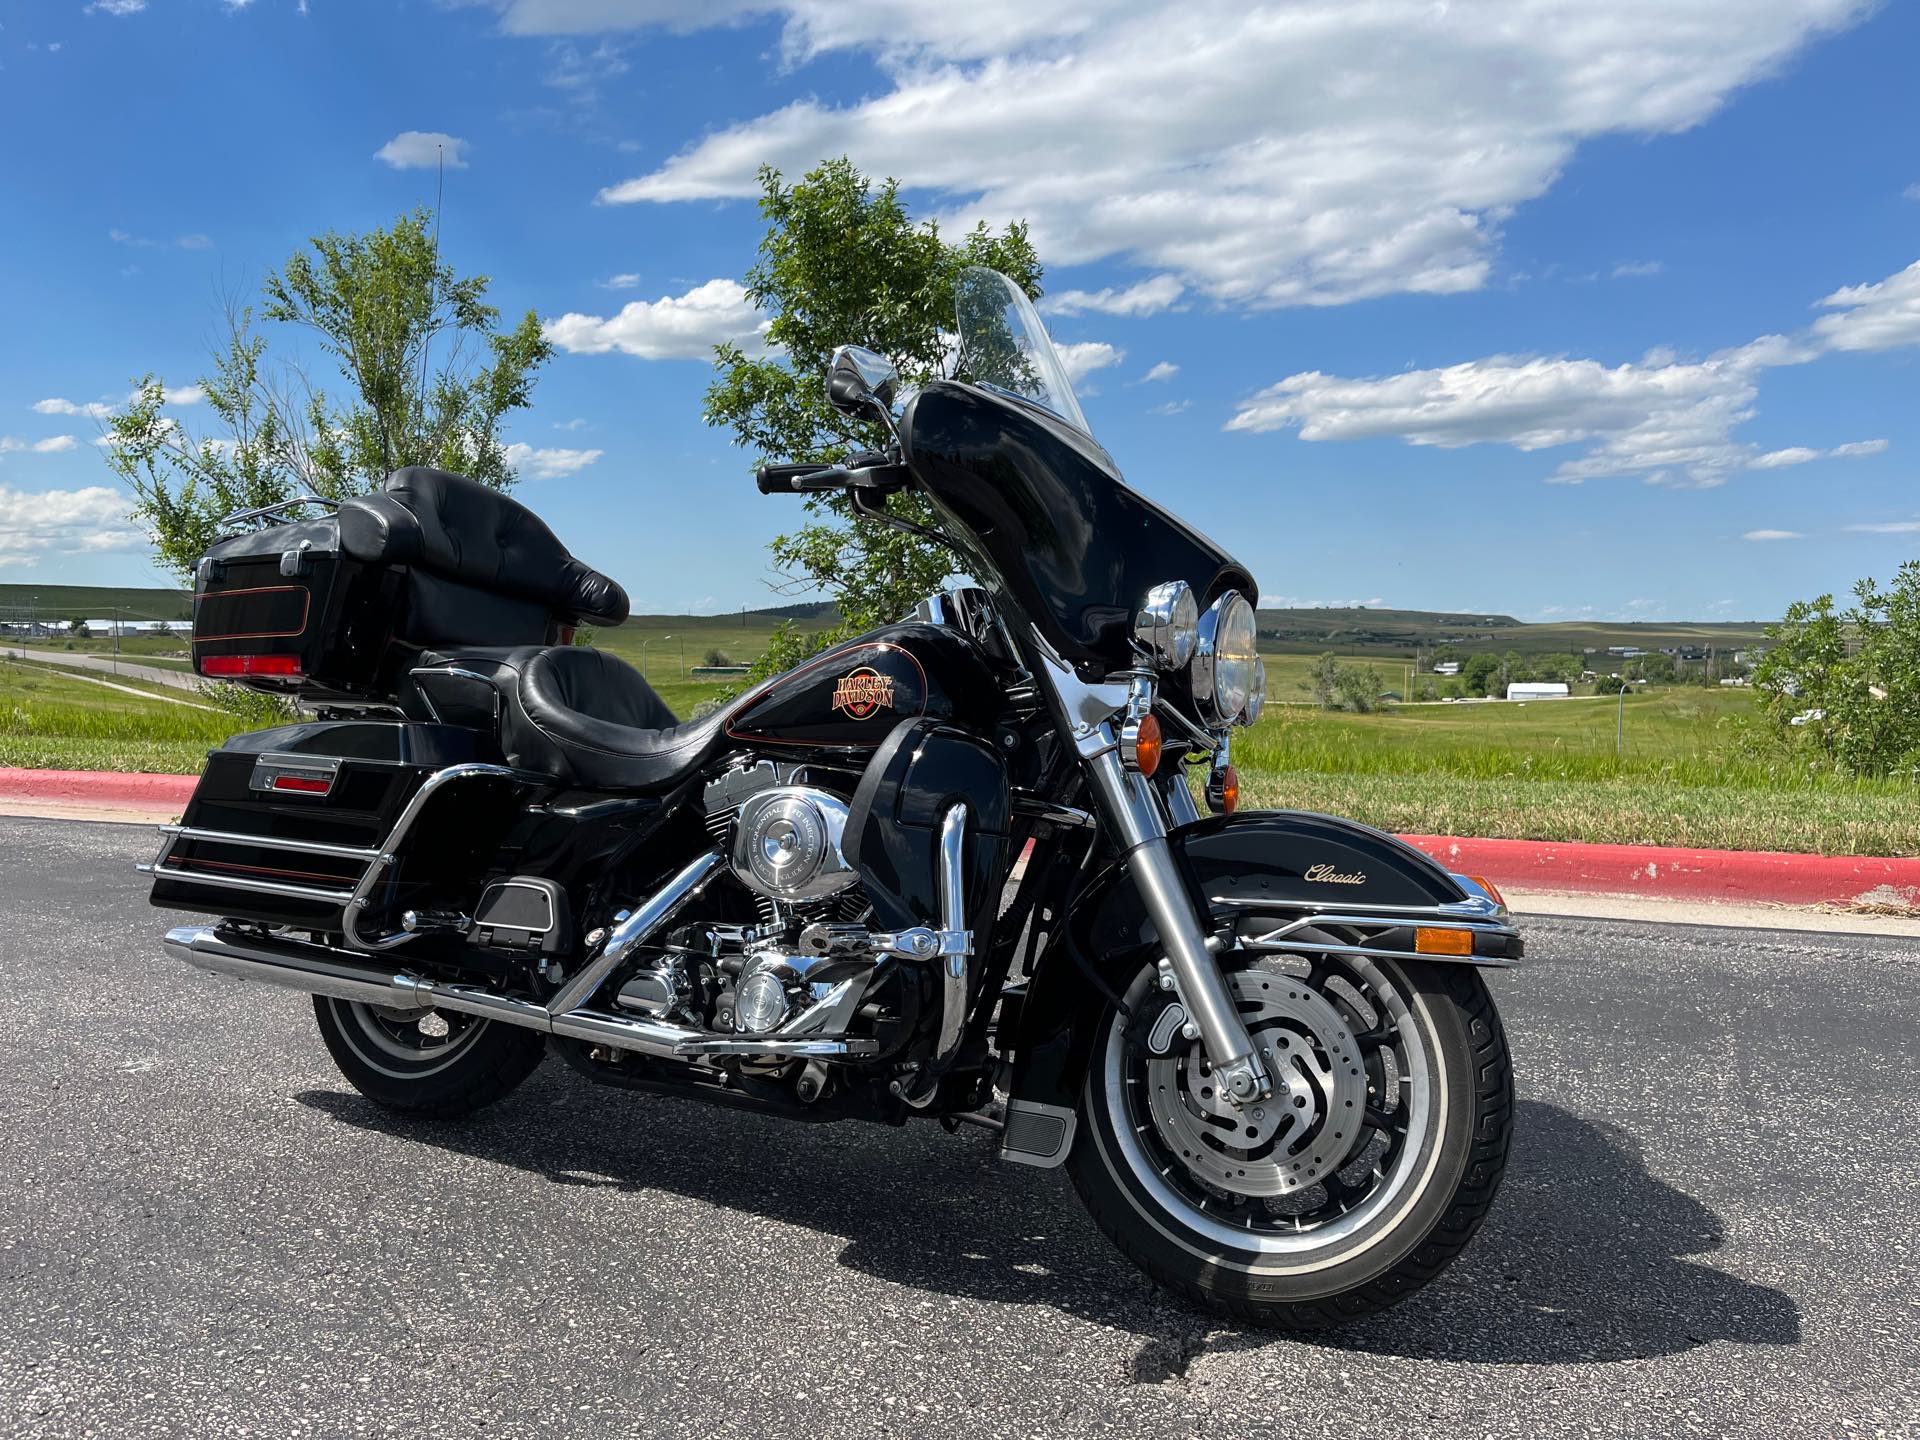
{"x":878,"y":474}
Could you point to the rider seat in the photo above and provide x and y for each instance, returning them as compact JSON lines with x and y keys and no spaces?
{"x":587,"y":718}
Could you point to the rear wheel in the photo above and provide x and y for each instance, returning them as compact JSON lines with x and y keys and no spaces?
{"x":423,"y":1062}
{"x":1358,"y":1181}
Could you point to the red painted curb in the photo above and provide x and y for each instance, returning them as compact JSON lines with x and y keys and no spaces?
{"x":1667,"y":873}
{"x":1651,"y":871}
{"x":98,"y":787}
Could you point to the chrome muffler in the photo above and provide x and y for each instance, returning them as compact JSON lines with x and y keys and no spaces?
{"x":348,"y":975}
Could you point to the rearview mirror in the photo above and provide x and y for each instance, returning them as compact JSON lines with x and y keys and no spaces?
{"x":860,"y":381}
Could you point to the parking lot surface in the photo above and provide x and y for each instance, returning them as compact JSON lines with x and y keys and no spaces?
{"x":1708,"y":1226}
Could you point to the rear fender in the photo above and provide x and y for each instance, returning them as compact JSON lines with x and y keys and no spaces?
{"x":1285,"y":882}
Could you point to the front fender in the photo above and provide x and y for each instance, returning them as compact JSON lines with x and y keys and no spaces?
{"x":1285,"y":862}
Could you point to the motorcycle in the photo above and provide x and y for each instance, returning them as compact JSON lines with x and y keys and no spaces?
{"x":954,"y":869}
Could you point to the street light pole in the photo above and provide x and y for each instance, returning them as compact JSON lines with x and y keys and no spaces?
{"x":1620,"y":722}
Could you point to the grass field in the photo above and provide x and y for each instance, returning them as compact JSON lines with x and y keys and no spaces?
{"x":51,"y":721}
{"x":1690,"y":773}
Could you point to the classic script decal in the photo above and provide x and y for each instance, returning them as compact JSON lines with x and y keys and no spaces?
{"x":1328,"y":875}
{"x":863,"y":692}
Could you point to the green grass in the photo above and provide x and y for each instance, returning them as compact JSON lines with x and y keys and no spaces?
{"x":1693,"y":773}
{"x":50,"y":721}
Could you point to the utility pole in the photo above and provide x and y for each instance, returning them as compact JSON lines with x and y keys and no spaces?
{"x":1620,"y":723}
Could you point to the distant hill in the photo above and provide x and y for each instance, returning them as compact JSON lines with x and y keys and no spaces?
{"x":1351,"y":630}
{"x":95,"y":602}
{"x":1362,"y":630}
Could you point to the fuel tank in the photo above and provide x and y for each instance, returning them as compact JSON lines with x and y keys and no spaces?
{"x":852,"y":696}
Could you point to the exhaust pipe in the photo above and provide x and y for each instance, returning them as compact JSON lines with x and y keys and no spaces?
{"x":346,"y":975}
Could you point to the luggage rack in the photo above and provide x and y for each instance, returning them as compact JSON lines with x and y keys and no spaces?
{"x":379,"y":860}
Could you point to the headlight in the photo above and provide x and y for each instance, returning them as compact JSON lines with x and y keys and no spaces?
{"x":1226,"y":662}
{"x":1167,"y":624}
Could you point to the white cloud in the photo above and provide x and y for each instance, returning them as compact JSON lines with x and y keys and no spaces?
{"x":1780,"y":459}
{"x":1083,"y":357}
{"x":63,"y":522}
{"x":1773,"y":535}
{"x":1165,"y":370}
{"x":183,"y":394}
{"x":1873,"y":317}
{"x":1670,"y":421}
{"x":1149,"y":297}
{"x":1636,"y":269}
{"x":621,"y":282}
{"x":52,"y":445}
{"x":1170,"y":407}
{"x":550,"y":464}
{"x":1307,"y":153}
{"x":1889,"y":527}
{"x":92,"y":409}
{"x":195,"y":241}
{"x":674,"y":327}
{"x":116,"y":7}
{"x":1912,"y":192}
{"x":1297,"y":602}
{"x":575,"y":424}
{"x":423,"y":150}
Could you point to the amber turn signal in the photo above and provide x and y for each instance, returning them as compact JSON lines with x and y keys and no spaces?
{"x":1223,"y":791}
{"x":1146,"y":746}
{"x":1430,"y":940}
{"x":1488,"y":886}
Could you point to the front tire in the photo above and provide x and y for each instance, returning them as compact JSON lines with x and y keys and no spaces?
{"x":1356,"y":1183}
{"x":425,"y":1063}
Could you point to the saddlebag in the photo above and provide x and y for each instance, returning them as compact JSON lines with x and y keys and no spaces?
{"x":287,"y":826}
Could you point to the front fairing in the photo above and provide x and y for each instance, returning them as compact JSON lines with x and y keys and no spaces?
{"x":1065,"y":539}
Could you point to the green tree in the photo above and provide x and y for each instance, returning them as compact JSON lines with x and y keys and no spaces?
{"x":1657,"y":667}
{"x":1480,"y":675}
{"x":425,"y":375}
{"x":1852,"y":678}
{"x":842,"y":262}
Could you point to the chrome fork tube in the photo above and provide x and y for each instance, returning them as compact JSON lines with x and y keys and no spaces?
{"x":1128,"y":799}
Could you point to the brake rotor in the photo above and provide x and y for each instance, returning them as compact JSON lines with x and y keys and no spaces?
{"x":1298,"y":1135}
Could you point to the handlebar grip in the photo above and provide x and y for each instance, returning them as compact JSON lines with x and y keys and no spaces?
{"x":778,"y":479}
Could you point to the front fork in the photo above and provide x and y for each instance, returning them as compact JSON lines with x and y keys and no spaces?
{"x":1139,"y":822}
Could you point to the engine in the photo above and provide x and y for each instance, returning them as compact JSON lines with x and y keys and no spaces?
{"x":781,"y":831}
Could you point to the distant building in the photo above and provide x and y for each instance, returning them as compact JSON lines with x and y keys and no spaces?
{"x":1447,"y":667}
{"x":1538,"y":690}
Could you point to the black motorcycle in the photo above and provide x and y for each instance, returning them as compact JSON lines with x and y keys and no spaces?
{"x":952,"y":869}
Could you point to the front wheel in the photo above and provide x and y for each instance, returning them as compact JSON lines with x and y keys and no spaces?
{"x":1359,"y":1180}
{"x":423,"y":1062}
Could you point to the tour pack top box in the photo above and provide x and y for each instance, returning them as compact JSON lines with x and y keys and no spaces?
{"x":342,"y":603}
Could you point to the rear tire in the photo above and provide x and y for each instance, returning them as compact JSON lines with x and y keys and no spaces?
{"x":424,"y":1063}
{"x":1274,"y":1254}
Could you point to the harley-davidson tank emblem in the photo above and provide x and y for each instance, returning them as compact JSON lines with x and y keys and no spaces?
{"x":1331,"y":875}
{"x":863,"y":692}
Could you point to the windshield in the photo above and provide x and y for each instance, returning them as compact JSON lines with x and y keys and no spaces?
{"x":1004,"y":347}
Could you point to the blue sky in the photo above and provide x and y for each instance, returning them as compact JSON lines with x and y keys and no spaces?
{"x":1549,"y":308}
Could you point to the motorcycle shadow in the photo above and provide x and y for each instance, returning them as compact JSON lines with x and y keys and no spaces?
{"x":1582,"y":1260}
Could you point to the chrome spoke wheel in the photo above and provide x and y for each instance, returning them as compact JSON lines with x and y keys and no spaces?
{"x":1332,"y":1150}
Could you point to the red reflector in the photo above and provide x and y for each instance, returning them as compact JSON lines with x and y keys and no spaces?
{"x":288,"y":665}
{"x":304,"y":784}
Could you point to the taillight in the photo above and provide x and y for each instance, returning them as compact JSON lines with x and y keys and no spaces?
{"x":281,"y":666}
{"x":302,"y":784}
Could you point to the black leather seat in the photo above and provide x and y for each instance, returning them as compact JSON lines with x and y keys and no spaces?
{"x":583,"y":716}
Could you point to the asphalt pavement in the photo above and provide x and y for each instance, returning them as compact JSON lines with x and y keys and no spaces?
{"x":1708,"y":1226}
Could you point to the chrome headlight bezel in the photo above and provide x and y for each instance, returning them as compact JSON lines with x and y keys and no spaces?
{"x":1224,"y":689}
{"x":1167,"y":625}
{"x":1257,"y":697}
